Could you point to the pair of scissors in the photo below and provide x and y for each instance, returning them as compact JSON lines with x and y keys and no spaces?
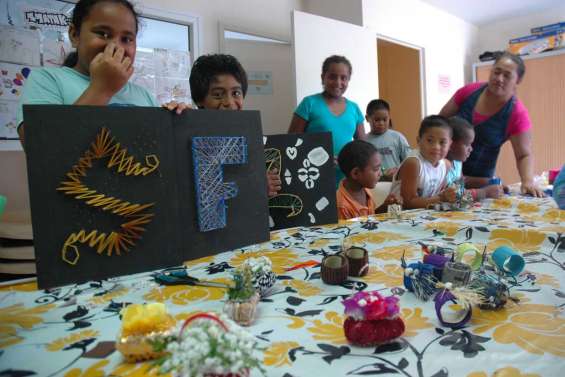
{"x":180,"y":276}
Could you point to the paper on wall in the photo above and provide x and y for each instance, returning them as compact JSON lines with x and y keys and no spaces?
{"x":8,"y":125}
{"x":54,"y":52}
{"x":12,"y":79}
{"x":171,"y":63}
{"x":20,"y":46}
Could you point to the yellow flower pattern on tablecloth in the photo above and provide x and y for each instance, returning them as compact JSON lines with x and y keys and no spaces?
{"x":138,"y":370}
{"x":544,"y":279}
{"x":504,"y":372}
{"x":390,"y":275}
{"x":277,"y":354}
{"x":61,"y":343}
{"x":534,"y":328}
{"x":455,"y":215}
{"x":17,"y":315}
{"x":375,"y":237}
{"x":26,"y":287}
{"x":95,"y":370}
{"x":330,"y":331}
{"x":107,"y":297}
{"x":184,"y":294}
{"x":303,"y":288}
{"x":554,"y":215}
{"x":448,"y":228}
{"x":521,"y":240}
{"x":395,"y":252}
{"x":527,"y":208}
{"x":414,"y":321}
{"x":281,"y":259}
{"x":502,"y":203}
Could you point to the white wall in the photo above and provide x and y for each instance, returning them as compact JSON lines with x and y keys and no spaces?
{"x":348,"y":11}
{"x":448,"y":42}
{"x":271,"y":17}
{"x":276,"y":108}
{"x":496,"y":35}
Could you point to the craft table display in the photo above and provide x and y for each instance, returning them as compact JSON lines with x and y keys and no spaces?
{"x":70,"y":331}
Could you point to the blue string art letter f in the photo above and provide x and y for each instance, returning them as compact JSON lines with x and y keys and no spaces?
{"x":209,"y":154}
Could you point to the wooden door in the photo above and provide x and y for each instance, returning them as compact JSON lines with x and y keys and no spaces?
{"x":399,"y":85}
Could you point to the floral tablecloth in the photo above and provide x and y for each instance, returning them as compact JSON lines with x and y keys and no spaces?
{"x":69,"y":331}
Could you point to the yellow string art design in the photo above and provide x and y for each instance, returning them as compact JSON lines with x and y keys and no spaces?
{"x":130,"y":231}
{"x":290,"y":202}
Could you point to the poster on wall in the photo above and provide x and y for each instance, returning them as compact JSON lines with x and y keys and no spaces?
{"x":12,"y":79}
{"x":19,"y":46}
{"x":8,"y":126}
{"x":306,"y":168}
{"x":260,"y":82}
{"x":119,"y":195}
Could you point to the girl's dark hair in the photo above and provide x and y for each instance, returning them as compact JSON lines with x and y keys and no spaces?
{"x":81,"y":11}
{"x":460,"y":128}
{"x":336,"y":59}
{"x":207,"y":67}
{"x":355,"y":154}
{"x":521,"y":70}
{"x":432,"y":121}
{"x":378,"y":104}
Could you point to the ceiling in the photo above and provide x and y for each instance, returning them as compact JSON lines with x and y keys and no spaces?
{"x":480,"y":12}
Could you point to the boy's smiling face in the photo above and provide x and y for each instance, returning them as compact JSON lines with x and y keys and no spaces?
{"x":224,"y":93}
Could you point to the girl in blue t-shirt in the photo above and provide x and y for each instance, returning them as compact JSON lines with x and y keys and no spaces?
{"x":103,"y":32}
{"x":330,"y":111}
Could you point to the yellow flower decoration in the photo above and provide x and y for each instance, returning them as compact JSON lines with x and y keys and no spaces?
{"x":552,"y":229}
{"x":504,"y":372}
{"x":331,"y":331}
{"x":277,"y":354}
{"x":280,"y":259}
{"x":502,"y":203}
{"x":520,"y":240}
{"x":203,"y":260}
{"x":455,"y":215}
{"x":182,"y":294}
{"x":533,"y":327}
{"x":395,"y":252}
{"x":137,"y":370}
{"x":375,"y":237}
{"x":18,"y":315}
{"x":391,"y":275}
{"x":95,"y":370}
{"x":554,"y":215}
{"x":304,"y":288}
{"x":61,"y":343}
{"x":445,"y":227}
{"x":414,"y":321}
{"x":100,"y":300}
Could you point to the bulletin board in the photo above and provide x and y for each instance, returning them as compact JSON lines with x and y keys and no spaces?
{"x":33,"y":33}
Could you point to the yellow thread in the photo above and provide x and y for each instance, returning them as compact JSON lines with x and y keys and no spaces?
{"x":104,"y":146}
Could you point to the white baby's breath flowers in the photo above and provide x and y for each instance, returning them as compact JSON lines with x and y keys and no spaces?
{"x":260,"y":265}
{"x":206,"y":347}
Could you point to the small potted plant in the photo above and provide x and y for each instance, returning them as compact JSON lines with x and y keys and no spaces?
{"x":242,"y":297}
{"x":263,"y":276}
{"x":210,"y":345}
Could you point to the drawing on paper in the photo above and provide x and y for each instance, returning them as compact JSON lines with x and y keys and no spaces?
{"x":209,"y":154}
{"x":136,"y":216}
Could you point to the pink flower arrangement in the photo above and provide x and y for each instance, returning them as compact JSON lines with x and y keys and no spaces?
{"x":371,"y":306}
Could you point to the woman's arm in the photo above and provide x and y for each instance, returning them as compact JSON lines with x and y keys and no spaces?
{"x":360,"y":132}
{"x":297,"y":125}
{"x":450,"y":109}
{"x":522,"y":146}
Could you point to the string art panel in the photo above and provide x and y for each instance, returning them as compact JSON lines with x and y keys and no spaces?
{"x":209,"y":155}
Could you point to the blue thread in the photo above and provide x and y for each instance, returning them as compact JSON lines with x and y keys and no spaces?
{"x":209,"y":154}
